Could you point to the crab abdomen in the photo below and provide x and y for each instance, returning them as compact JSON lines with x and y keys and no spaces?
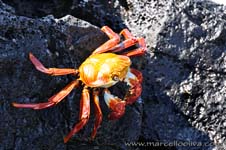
{"x":104,"y":70}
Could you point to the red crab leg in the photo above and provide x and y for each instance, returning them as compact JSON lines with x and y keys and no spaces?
{"x":52,"y":100}
{"x":115,"y":104}
{"x":139,"y":51}
{"x":83,"y":116}
{"x":130,"y":40}
{"x":98,"y":113}
{"x":134,"y":79}
{"x":126,"y":34}
{"x":114,"y":39}
{"x":51,"y":71}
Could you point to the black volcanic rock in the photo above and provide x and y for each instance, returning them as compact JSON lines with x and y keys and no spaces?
{"x":184,"y":88}
{"x":62,"y":43}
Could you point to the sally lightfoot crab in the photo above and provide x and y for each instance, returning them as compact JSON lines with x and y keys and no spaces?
{"x":106,"y":66}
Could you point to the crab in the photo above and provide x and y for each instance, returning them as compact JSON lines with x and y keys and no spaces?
{"x":105,"y":67}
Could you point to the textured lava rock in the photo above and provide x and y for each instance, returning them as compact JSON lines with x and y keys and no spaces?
{"x":98,"y":12}
{"x":62,"y":43}
{"x":184,"y":73}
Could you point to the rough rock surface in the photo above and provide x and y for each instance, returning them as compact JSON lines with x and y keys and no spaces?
{"x":60,"y":43}
{"x":184,"y":70}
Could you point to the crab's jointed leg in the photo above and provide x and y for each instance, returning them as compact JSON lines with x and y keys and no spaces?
{"x":127,"y":34}
{"x":114,"y":40}
{"x":138,"y":51}
{"x":113,"y":46}
{"x":51,"y":71}
{"x":52,"y":100}
{"x":115,"y":104}
{"x":98,"y":113}
{"x":83,"y":116}
{"x":130,"y":40}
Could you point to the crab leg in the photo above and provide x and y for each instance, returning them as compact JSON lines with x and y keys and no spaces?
{"x":133,"y":79}
{"x":52,"y":100}
{"x":127,"y":34}
{"x":138,"y":51}
{"x":114,"y":39}
{"x":130,"y":40}
{"x":115,"y":104}
{"x":83,"y":116}
{"x":51,"y":71}
{"x":113,"y":46}
{"x":123,"y":45}
{"x":98,"y":113}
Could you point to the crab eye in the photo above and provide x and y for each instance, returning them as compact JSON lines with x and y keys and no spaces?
{"x":115,"y":77}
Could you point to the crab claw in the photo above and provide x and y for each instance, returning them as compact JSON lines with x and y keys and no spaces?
{"x":133,"y":79}
{"x":115,"y":104}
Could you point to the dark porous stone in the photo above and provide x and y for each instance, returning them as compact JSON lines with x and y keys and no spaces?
{"x":184,"y":87}
{"x":98,"y":12}
{"x":62,"y":43}
{"x":183,"y":103}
